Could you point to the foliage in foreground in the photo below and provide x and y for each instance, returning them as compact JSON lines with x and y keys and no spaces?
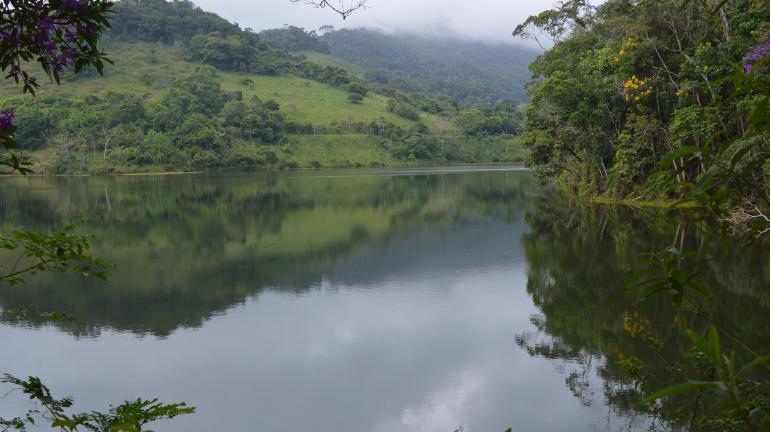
{"x":130,"y":416}
{"x":57,"y":35}
{"x":65,"y":251}
{"x":667,"y":99}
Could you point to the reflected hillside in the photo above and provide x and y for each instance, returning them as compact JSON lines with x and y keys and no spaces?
{"x":189,"y":247}
{"x":578,"y":257}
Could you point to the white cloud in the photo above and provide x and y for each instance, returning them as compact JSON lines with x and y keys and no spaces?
{"x":490,"y":20}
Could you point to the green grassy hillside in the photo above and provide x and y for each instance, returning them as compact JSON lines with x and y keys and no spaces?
{"x":201,"y":93}
{"x":146,"y":70}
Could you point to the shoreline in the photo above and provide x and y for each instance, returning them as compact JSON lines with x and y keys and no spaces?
{"x":149,"y":173}
{"x":279,"y":170}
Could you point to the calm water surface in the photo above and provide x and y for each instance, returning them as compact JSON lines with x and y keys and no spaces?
{"x":347,"y":301}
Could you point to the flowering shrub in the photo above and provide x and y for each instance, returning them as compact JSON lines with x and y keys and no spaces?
{"x":57,"y":34}
{"x":757,"y":54}
{"x":635,"y":88}
{"x":6,"y":120}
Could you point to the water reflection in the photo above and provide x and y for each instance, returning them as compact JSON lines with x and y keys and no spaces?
{"x":578,"y":258}
{"x":353,"y":301}
{"x":189,"y":247}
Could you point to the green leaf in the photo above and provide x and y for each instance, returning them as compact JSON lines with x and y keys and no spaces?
{"x":715,"y":347}
{"x":679,"y":153}
{"x":699,"y":342}
{"x":738,"y":156}
{"x":759,"y":361}
{"x":655,"y":289}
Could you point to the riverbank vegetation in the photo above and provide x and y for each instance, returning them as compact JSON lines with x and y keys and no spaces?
{"x":629,"y":84}
{"x":667,"y":101}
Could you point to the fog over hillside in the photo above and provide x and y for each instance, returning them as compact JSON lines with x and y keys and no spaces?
{"x":487,"y":20}
{"x":479,"y":73}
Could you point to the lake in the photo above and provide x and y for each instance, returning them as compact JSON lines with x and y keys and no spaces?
{"x":353,"y":301}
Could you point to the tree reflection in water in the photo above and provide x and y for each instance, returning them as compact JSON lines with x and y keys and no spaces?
{"x":578,"y":258}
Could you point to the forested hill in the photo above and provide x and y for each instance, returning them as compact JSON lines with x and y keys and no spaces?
{"x":189,"y":90}
{"x":472,"y":72}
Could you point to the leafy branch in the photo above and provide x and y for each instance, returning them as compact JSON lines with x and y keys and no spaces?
{"x":729,"y":378}
{"x":130,"y":416}
{"x":60,"y":251}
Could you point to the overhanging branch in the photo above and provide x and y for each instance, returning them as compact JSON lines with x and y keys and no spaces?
{"x":342,"y":7}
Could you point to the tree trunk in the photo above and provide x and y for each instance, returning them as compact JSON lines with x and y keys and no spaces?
{"x":725,"y":21}
{"x":107,"y":139}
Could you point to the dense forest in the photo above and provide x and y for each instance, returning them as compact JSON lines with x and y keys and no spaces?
{"x":474,"y":73}
{"x":293,"y":38}
{"x":628,"y":84}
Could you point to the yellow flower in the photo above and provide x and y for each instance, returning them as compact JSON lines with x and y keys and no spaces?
{"x":622,"y":52}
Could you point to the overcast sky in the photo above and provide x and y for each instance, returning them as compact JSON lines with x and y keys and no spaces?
{"x":489,"y":20}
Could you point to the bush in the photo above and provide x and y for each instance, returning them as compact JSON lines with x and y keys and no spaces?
{"x":355,"y":98}
{"x":402,"y":110}
{"x":270,"y":156}
{"x":244,"y":158}
{"x":415,"y":147}
{"x":429,"y":106}
{"x":299,"y":128}
{"x":64,"y":163}
{"x":357,"y":88}
{"x":287,"y":165}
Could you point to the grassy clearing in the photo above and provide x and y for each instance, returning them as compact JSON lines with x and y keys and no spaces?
{"x":307,"y":101}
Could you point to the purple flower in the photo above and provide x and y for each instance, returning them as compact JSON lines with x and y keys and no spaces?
{"x":69,"y":34}
{"x":62,"y":60}
{"x":757,"y":53}
{"x":65,"y":58}
{"x":6,"y":119}
{"x":42,"y":38}
{"x":73,"y":4}
{"x":46,"y":25}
